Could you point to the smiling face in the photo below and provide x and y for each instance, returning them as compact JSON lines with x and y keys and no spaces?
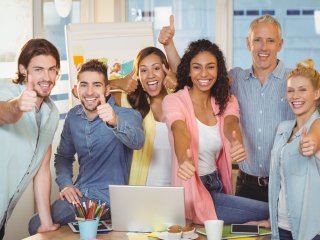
{"x":151,"y":74}
{"x":203,"y":71}
{"x":264,"y":43}
{"x":44,"y":72}
{"x":302,"y":96}
{"x":90,"y":86}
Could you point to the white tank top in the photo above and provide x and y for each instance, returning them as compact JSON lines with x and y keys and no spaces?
{"x":209,"y":147}
{"x":159,"y":173}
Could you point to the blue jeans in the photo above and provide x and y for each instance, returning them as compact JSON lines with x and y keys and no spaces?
{"x":230,"y":208}
{"x":2,"y":231}
{"x":62,"y":213}
{"x":286,"y":235}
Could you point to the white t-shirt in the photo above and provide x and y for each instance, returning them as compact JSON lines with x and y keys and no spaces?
{"x":160,"y":166}
{"x":209,"y":147}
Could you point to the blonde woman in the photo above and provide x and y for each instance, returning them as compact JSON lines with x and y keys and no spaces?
{"x":295,"y":166}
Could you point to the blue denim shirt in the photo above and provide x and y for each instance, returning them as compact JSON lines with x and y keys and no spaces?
{"x":302,"y":183}
{"x":262,"y":108}
{"x":104,"y":153}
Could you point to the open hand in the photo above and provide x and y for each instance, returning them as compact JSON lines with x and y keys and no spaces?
{"x":261,"y":223}
{"x":49,"y":228}
{"x":70,"y":193}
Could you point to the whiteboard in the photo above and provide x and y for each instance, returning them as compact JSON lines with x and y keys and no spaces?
{"x":115,"y":44}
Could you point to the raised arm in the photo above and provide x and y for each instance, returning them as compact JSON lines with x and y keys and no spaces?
{"x":232,"y":132}
{"x":12,"y":110}
{"x":166,"y":39}
{"x":309,"y":141}
{"x":128,"y":84}
{"x":182,"y":141}
{"x":42,"y":191}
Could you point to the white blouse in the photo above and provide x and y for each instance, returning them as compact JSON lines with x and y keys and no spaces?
{"x":160,"y":166}
{"x":210,"y":146}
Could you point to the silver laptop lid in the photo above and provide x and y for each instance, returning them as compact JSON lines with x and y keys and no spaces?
{"x":146,"y":208}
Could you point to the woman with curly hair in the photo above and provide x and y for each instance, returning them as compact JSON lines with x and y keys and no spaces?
{"x":203,"y":121}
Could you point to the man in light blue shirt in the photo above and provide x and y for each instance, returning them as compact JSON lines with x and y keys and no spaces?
{"x":260,"y":91}
{"x":28,"y":121}
{"x":102,"y":135}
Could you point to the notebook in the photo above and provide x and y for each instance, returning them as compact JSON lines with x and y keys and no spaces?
{"x":226,"y":234}
{"x":146,"y":208}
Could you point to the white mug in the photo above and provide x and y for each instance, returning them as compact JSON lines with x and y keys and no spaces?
{"x":214,"y":229}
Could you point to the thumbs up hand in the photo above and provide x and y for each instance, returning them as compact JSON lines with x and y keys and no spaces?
{"x":166,"y":34}
{"x":237,"y":151}
{"x":170,"y":81}
{"x":28,"y":98}
{"x":307,"y":145}
{"x":129,"y":83}
{"x":186,"y":166}
{"x":106,"y":112}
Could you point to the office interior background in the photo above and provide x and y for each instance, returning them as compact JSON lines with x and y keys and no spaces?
{"x":225,"y":22}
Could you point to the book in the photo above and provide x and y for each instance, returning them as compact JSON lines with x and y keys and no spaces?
{"x":226,"y":234}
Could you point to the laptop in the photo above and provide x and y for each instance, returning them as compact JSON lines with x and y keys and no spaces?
{"x":146,"y":208}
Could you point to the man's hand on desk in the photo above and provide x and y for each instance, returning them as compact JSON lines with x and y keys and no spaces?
{"x":49,"y":228}
{"x":70,"y":193}
{"x":261,"y":223}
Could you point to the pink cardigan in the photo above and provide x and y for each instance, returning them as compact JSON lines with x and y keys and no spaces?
{"x":198,"y":201}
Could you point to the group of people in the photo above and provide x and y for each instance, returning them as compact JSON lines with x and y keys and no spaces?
{"x":178,"y":122}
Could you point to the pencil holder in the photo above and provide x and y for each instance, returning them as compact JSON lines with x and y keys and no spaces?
{"x":88,"y":228}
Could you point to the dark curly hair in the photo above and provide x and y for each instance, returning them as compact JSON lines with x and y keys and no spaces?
{"x":139,"y":98}
{"x":221,"y":89}
{"x":94,"y":65}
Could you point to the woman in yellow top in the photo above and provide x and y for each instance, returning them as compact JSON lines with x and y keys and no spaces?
{"x":151,"y":165}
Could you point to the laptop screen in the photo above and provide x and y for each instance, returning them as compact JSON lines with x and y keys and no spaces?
{"x":146,"y":208}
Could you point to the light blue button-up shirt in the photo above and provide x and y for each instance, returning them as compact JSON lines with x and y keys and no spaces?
{"x":104,"y":153}
{"x":302,"y":184}
{"x":23,"y":147}
{"x":262,"y":108}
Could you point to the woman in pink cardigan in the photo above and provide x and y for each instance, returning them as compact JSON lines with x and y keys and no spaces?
{"x":202,"y":117}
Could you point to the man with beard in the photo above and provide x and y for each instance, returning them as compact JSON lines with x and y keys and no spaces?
{"x":28,"y":121}
{"x":102,"y":135}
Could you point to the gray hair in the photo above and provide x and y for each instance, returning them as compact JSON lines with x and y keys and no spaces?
{"x":265,"y":19}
